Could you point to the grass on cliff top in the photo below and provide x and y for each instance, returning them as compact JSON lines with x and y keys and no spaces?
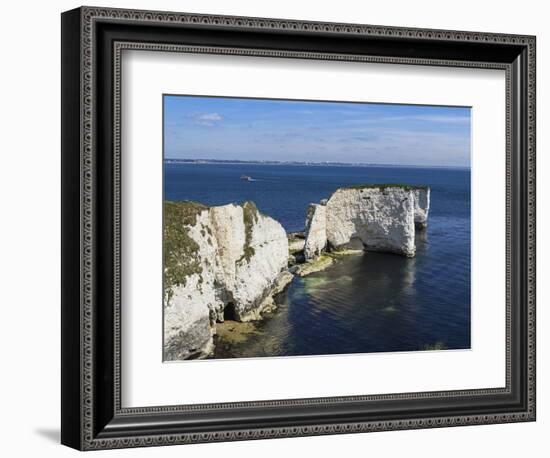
{"x":250,"y":217}
{"x":406,"y":187}
{"x":179,"y":249}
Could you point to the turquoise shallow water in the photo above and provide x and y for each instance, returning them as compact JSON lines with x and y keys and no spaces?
{"x":371,"y":303}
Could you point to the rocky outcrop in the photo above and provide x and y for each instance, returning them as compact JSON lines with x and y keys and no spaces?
{"x":381,"y":218}
{"x":421,"y":206}
{"x":375,"y":217}
{"x":316,"y":231}
{"x":296,"y":241}
{"x":314,"y":265}
{"x":219,"y":262}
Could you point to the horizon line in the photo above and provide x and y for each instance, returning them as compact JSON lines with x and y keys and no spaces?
{"x":320,"y":163}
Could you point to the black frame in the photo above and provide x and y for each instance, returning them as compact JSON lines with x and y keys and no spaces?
{"x":92,"y":42}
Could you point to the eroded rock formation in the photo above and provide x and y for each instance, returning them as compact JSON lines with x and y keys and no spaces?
{"x":377,"y":217}
{"x":225,"y":261}
{"x":382,"y":218}
{"x":421,"y":207}
{"x":316,"y":230}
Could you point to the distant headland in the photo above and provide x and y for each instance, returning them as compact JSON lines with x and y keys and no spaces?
{"x":305,"y":163}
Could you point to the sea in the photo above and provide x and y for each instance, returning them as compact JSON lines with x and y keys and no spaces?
{"x":376,"y":302}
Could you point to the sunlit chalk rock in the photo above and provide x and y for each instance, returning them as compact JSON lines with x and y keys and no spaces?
{"x":316,"y":231}
{"x":219,"y":262}
{"x":381,"y":217}
{"x":421,"y":207}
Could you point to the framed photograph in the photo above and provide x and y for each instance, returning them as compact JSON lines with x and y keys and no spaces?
{"x":276,"y":228}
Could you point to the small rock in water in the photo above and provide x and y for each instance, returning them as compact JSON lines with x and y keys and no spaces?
{"x":317,"y":265}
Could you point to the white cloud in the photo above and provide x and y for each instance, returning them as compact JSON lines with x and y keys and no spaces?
{"x":454,"y":119}
{"x":439,"y":118}
{"x":210,"y":117}
{"x":207,"y":119}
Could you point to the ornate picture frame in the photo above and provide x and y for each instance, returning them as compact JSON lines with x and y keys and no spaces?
{"x":93,"y":416}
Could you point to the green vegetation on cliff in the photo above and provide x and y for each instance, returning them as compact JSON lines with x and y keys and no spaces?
{"x":406,"y":187}
{"x":179,"y":249}
{"x":436,"y":346}
{"x":250,"y":217}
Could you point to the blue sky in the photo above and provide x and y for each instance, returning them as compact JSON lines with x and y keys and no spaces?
{"x":284,"y":130}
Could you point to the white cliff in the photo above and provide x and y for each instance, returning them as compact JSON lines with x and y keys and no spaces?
{"x":376,"y":217}
{"x":316,"y":231}
{"x":190,"y":299}
{"x":219,"y":261}
{"x":421,"y":207}
{"x":262,"y":267}
{"x":382,"y":218}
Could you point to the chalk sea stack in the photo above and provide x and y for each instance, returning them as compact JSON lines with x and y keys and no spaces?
{"x":422,"y":206}
{"x":316,"y":231}
{"x":374,"y":217}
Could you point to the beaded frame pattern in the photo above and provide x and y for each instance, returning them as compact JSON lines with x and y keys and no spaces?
{"x":89,"y":16}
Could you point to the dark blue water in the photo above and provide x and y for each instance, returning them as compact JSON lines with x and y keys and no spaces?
{"x":370,"y":303}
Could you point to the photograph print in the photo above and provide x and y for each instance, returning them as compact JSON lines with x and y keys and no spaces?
{"x":300,"y":228}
